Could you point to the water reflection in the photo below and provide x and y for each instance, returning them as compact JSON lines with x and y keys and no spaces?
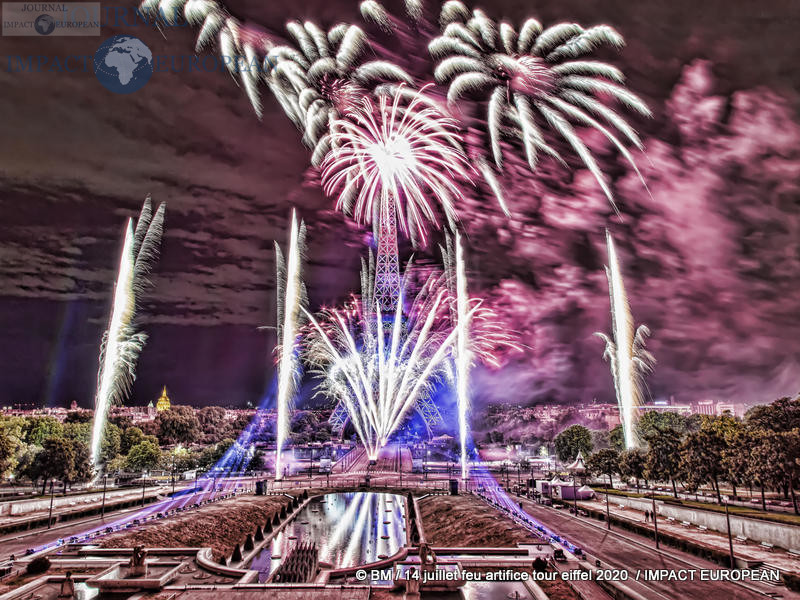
{"x":351,"y":528}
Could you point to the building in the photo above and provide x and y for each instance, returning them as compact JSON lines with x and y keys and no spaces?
{"x":681,"y":409}
{"x":729,"y":407}
{"x":163,"y":402}
{"x":704,"y":407}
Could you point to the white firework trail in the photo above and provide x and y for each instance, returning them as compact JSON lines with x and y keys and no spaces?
{"x":380,"y":371}
{"x":381,"y":367}
{"x":463,"y":354}
{"x":121,"y":342}
{"x":402,"y":155}
{"x":316,"y":80}
{"x":291,"y":299}
{"x":536,"y":81}
{"x":626,"y":353}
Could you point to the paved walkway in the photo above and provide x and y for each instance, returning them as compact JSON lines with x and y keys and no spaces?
{"x":628,"y":551}
{"x":78,"y":504}
{"x":710,"y":539}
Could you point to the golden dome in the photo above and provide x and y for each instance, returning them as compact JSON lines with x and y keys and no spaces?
{"x":163,"y":403}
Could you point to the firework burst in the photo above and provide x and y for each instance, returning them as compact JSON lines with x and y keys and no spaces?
{"x":380,"y":366}
{"x":291,"y":299}
{"x":625,"y":351}
{"x":536,"y":80}
{"x":401,"y":157}
{"x":121,"y":342}
{"x":317,"y":79}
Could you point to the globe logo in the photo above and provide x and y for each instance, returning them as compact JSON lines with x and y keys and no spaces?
{"x":44,"y":24}
{"x":123,"y":64}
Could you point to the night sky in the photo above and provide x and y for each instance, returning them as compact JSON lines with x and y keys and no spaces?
{"x":711,"y":255}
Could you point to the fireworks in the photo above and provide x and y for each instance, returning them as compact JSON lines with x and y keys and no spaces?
{"x":379,"y":371}
{"x":121,"y":342}
{"x":626,"y":352}
{"x":326,"y":78}
{"x":317,"y":80}
{"x":535,"y":79}
{"x":398,"y":159}
{"x":394,"y":158}
{"x":291,"y":298}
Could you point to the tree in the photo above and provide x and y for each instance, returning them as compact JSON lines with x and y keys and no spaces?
{"x":179,"y":459}
{"x":256,"y":461}
{"x":494,"y":437}
{"x":129,"y":438}
{"x":110,"y":443}
{"x":662,"y":462}
{"x":177,"y":425}
{"x":736,"y":457}
{"x":79,"y":416}
{"x":38,"y":429}
{"x":81,"y":470}
{"x":782,"y":415}
{"x":766,"y":461}
{"x":616,"y":438}
{"x":600,"y":438}
{"x":653,"y":421}
{"x":572,"y":440}
{"x":631,"y":464}
{"x":10,"y":445}
{"x":790,"y":452}
{"x":144,"y":456}
{"x":702,"y":451}
{"x":56,"y":460}
{"x":121,"y":421}
{"x":78,"y":430}
{"x":213,"y":423}
{"x":210,"y":455}
{"x":117,"y":464}
{"x":604,"y":462}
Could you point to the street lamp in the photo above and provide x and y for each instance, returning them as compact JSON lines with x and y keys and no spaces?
{"x":655,"y":515}
{"x":574,"y":494}
{"x":50,"y":516}
{"x":730,"y":538}
{"x":103,"y":507}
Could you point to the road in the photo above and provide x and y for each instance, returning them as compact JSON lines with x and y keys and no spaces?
{"x":17,"y":544}
{"x":629,"y":551}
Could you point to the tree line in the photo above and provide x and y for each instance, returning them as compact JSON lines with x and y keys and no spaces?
{"x":43,"y":449}
{"x":762,"y":450}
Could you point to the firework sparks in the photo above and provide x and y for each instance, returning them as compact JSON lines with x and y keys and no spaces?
{"x":379,"y":367}
{"x":121,"y":343}
{"x":401,"y":157}
{"x":291,"y":298}
{"x":535,"y":80}
{"x":316,"y":80}
{"x":463,"y":355}
{"x":626,"y":352}
{"x":380,"y":373}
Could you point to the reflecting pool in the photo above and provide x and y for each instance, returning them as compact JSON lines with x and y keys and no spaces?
{"x":349,"y":529}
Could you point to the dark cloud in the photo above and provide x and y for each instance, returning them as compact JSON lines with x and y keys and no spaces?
{"x":711,"y":253}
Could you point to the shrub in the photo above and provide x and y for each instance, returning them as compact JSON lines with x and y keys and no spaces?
{"x":40,"y":564}
{"x":792,"y":581}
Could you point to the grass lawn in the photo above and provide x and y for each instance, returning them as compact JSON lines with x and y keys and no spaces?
{"x":742,"y":511}
{"x":467,"y":521}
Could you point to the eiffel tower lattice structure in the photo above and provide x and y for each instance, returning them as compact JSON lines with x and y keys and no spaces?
{"x":387,"y":268}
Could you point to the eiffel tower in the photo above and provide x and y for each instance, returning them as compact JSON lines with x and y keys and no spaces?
{"x":387,"y":268}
